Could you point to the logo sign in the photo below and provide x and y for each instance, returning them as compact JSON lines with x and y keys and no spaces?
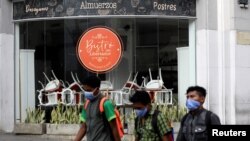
{"x":99,"y":49}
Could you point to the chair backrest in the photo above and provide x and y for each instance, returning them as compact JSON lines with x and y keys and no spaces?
{"x":52,"y":85}
{"x":129,"y":85}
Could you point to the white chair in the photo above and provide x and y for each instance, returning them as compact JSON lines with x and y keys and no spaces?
{"x":73,"y":94}
{"x":121,"y":97}
{"x":68,"y":96}
{"x":162,"y":95}
{"x":51,"y":92}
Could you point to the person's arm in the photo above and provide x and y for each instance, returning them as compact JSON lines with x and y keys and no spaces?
{"x":180,"y":136}
{"x":114,"y":129}
{"x":215,"y":120}
{"x":163,"y":127}
{"x":81,"y":132}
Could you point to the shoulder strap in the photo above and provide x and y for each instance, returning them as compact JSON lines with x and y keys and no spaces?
{"x":154,"y":123}
{"x":208,"y":118}
{"x":156,"y":129}
{"x":101,"y":105}
{"x":137,"y":120}
{"x":86,"y":104}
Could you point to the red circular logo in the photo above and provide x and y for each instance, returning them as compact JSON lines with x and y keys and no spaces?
{"x":99,"y":49}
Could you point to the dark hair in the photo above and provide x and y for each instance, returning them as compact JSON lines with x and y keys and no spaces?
{"x":201,"y":91}
{"x":92,"y":81}
{"x":140,"y":96}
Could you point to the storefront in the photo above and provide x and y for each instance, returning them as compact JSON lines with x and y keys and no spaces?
{"x":155,"y":34}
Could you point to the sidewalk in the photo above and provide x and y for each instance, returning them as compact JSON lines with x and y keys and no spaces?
{"x":14,"y":137}
{"x":21,"y":137}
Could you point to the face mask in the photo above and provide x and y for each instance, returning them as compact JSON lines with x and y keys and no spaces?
{"x":142,"y":112}
{"x":192,"y":104}
{"x":89,"y":95}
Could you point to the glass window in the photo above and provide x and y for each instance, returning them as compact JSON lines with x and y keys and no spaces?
{"x":148,"y":43}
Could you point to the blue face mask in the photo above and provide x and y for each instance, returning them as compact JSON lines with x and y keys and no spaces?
{"x":142,"y":112}
{"x":192,"y":104}
{"x":89,"y":95}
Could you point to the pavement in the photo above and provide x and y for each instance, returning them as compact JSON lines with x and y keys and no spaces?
{"x":22,"y":137}
{"x":45,"y":137}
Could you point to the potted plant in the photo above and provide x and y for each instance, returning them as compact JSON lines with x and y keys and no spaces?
{"x":65,"y":120}
{"x":33,"y":124}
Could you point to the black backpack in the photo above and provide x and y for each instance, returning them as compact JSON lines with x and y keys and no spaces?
{"x":155,"y":127}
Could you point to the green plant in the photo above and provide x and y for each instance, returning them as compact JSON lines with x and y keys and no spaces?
{"x":65,"y":114}
{"x":35,"y":115}
{"x":174,"y":113}
{"x":130,"y":116}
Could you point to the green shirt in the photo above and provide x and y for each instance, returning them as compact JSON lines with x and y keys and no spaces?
{"x":108,"y":110}
{"x":146,"y":130}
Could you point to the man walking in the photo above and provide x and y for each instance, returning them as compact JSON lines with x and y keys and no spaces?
{"x":98,"y":126}
{"x":194,"y":124}
{"x":150,"y":124}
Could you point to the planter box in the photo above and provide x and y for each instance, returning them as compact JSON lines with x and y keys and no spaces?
{"x":30,"y":128}
{"x":62,"y":129}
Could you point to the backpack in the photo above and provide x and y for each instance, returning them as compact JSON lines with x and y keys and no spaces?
{"x":117,"y":114}
{"x":155,"y":127}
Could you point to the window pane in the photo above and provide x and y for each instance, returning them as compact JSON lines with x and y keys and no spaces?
{"x":146,"y":32}
{"x":148,"y":43}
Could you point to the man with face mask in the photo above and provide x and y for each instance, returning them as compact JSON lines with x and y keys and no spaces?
{"x":194,"y":124}
{"x":144,"y":130}
{"x":98,"y":126}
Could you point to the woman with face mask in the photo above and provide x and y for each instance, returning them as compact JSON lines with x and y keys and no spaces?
{"x":144,"y":130}
{"x":194,"y":124}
